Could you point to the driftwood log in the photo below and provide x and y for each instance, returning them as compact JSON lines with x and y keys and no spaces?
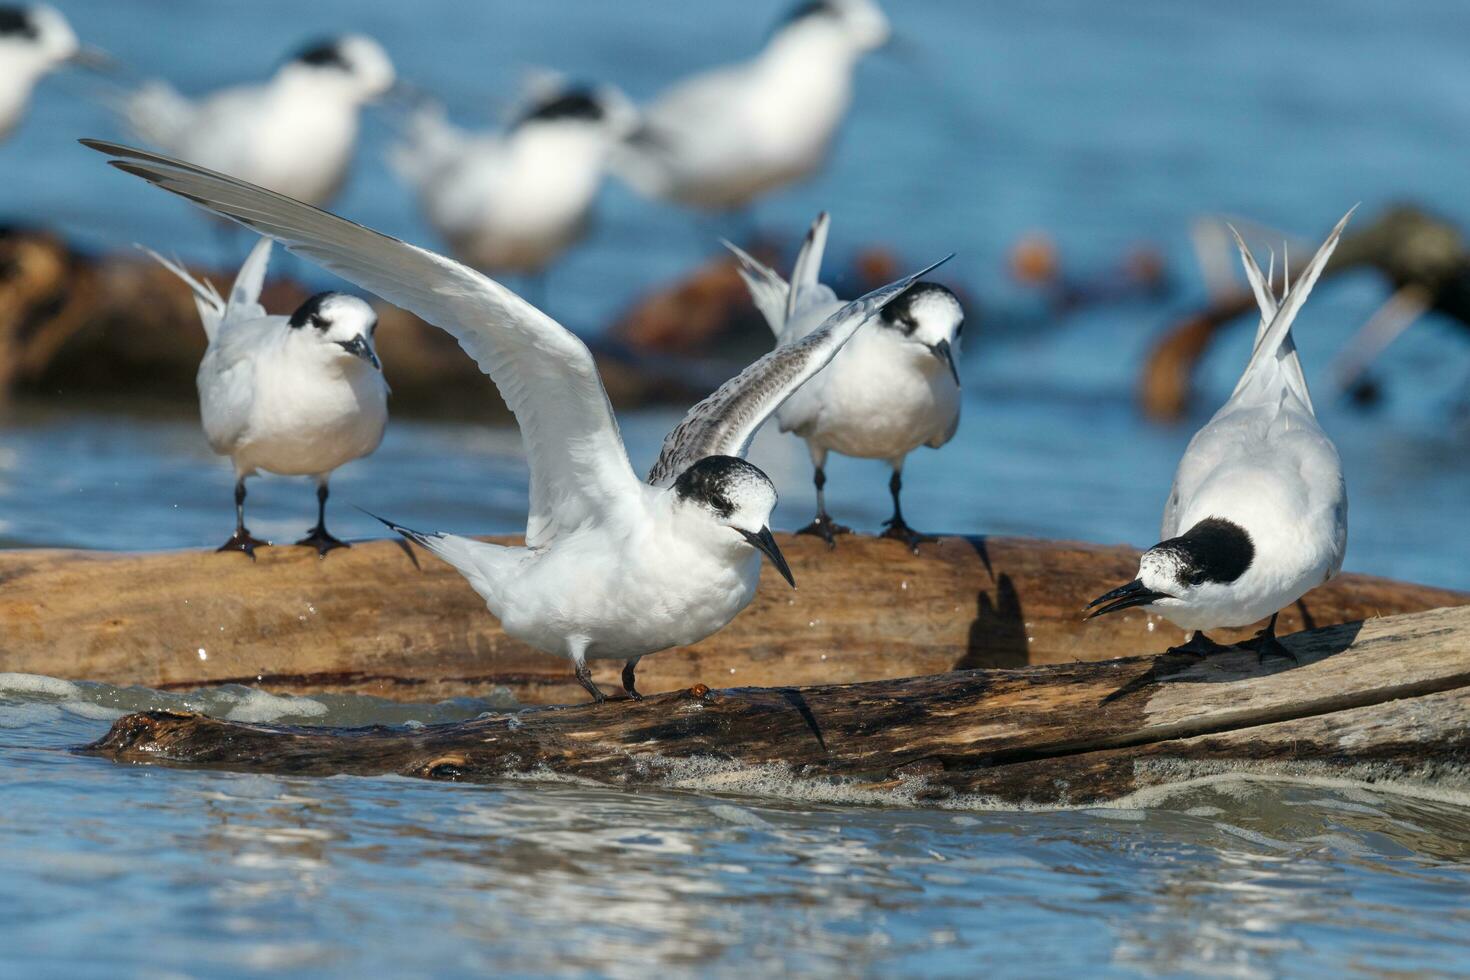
{"x":379,"y":620}
{"x":1386,"y":699}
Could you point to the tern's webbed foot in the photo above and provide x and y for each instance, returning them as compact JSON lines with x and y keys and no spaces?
{"x":1199,"y":645}
{"x":896,"y":529}
{"x":1266,"y":645}
{"x":242,"y":541}
{"x":825,"y":528}
{"x":322,"y":541}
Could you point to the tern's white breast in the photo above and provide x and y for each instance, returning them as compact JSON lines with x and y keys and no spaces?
{"x":880,"y":398}
{"x":268,"y":410}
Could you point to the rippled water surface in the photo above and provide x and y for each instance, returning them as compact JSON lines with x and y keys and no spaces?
{"x":1107,"y":124}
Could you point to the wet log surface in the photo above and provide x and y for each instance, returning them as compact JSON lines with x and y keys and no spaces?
{"x":1382,"y":699}
{"x":378,"y":620}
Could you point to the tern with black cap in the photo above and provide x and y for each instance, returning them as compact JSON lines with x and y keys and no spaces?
{"x":293,"y":133}
{"x":613,"y":567}
{"x":894,"y":388}
{"x":35,"y":40}
{"x":298,"y":395}
{"x":1257,"y":515}
{"x":512,"y":201}
{"x":722,"y":138}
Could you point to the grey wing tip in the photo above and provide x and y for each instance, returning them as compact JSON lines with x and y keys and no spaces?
{"x":928,"y":269}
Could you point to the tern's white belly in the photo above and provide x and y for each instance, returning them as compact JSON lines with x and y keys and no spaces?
{"x":313,"y":429}
{"x":627,"y":603}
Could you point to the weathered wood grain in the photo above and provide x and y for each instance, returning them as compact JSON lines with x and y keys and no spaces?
{"x":1393,"y":694}
{"x":379,"y":620}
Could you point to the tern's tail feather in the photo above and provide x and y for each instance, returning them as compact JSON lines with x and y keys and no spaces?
{"x":1266,"y":300}
{"x":779,"y":302}
{"x":767,"y":289}
{"x":207,"y":299}
{"x":1274,"y":343}
{"x":475,"y":560}
{"x":244,"y":302}
{"x":806,"y":275}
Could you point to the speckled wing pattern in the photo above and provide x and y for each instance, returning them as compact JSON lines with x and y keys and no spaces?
{"x":725,"y":422}
{"x":579,"y":468}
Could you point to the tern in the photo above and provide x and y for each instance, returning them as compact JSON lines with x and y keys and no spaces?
{"x":892,"y":389}
{"x":296,"y":396}
{"x":293,"y":133}
{"x":720,"y":139}
{"x":513,"y":201}
{"x":613,"y":567}
{"x":1257,"y":515}
{"x":34,"y":41}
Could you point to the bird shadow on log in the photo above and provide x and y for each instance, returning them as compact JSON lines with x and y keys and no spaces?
{"x":998,"y":633}
{"x":1240,"y":663}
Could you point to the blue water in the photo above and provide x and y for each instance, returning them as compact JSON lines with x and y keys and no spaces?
{"x":1104,"y":124}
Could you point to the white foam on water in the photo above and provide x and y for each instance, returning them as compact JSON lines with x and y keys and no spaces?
{"x":255,"y":705}
{"x":34,"y":684}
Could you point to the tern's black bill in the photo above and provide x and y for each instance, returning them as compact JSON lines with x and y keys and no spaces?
{"x":766,"y":545}
{"x":943,"y":351}
{"x":1135,"y":593}
{"x":358,"y":346}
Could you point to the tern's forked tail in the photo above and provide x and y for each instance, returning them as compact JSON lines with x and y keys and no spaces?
{"x":1273,"y":341}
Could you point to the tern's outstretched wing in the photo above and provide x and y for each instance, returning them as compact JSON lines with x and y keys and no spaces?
{"x":725,"y":422}
{"x":579,"y":468}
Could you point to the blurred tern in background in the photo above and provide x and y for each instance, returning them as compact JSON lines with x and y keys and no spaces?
{"x":294,"y":133}
{"x":720,"y":139}
{"x":893,"y":389}
{"x":297,"y":396}
{"x":34,"y":41}
{"x":613,"y":567}
{"x":511,"y":202}
{"x":1257,"y":515}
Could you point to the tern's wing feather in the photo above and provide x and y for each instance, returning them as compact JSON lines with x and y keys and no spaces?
{"x":725,"y":422}
{"x":579,"y":468}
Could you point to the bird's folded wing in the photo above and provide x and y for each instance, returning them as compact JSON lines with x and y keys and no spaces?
{"x":725,"y":422}
{"x":579,"y":468}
